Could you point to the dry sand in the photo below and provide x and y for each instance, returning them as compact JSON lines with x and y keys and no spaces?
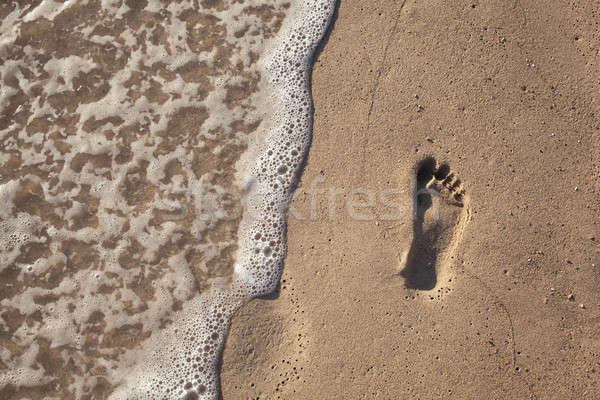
{"x":505,"y":93}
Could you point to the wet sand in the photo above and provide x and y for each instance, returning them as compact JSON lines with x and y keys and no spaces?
{"x":491,"y":295}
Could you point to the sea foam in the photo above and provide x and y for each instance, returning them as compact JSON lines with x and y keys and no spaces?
{"x":130,"y":133}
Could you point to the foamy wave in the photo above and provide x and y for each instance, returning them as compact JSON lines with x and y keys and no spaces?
{"x":121,"y":120}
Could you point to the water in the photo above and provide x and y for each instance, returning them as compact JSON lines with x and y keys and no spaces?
{"x":149,"y":153}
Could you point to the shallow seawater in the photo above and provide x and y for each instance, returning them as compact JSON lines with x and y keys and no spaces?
{"x":148,"y":152}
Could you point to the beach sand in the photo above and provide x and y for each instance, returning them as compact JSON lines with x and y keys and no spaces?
{"x":489,"y":290}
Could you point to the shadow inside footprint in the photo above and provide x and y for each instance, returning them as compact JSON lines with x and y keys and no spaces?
{"x":420,"y":270}
{"x":433,"y":223}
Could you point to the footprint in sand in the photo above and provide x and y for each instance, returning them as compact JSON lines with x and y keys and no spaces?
{"x":440,"y":213}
